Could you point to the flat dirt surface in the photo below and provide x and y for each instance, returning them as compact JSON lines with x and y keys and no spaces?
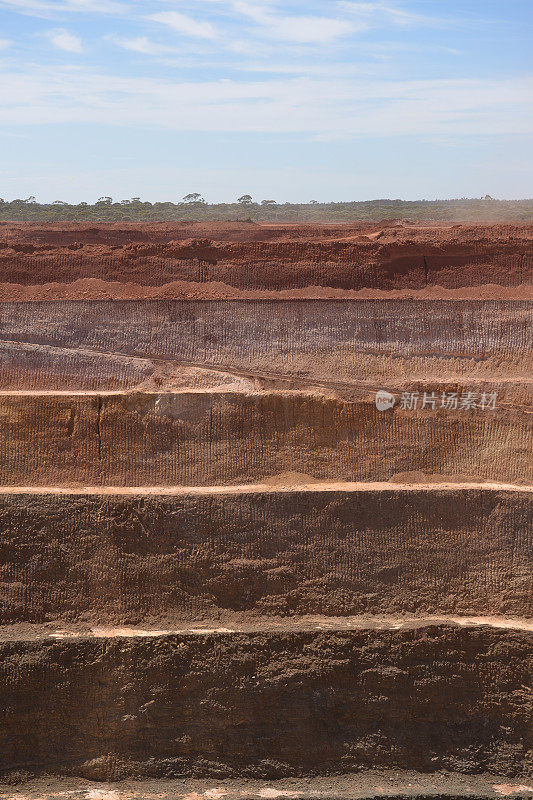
{"x":246,"y":623}
{"x":284,"y":482}
{"x":372,"y":785}
{"x":113,"y":234}
{"x":263,"y":261}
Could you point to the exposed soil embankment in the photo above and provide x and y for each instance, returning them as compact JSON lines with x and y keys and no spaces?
{"x":261,"y":257}
{"x":208,"y":438}
{"x":124,"y":559}
{"x":269,"y":704}
{"x":180,"y":553}
{"x":105,"y":344}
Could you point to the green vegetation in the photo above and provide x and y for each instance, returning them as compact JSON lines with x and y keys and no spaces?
{"x":194,"y":207}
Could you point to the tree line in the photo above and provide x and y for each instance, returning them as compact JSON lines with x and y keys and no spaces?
{"x":194,"y":207}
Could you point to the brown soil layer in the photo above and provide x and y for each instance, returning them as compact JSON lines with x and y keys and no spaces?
{"x":269,"y":704}
{"x":206,"y":438}
{"x":261,"y":257}
{"x":127,"y":559}
{"x":369,"y":785}
{"x":104,"y":344}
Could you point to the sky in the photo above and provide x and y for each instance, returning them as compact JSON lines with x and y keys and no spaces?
{"x":287,"y":100}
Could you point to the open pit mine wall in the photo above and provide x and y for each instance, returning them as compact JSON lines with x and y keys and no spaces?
{"x":109,"y":344}
{"x":271,"y":691}
{"x":404,"y":259}
{"x":268,"y":704}
{"x":212,"y":438}
{"x":120,"y":559}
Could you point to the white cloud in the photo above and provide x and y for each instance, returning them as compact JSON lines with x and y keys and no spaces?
{"x":306,"y":68}
{"x":310,"y":29}
{"x":184,"y":24}
{"x":259,"y":13}
{"x":64,"y":40}
{"x":4,"y":44}
{"x":143,"y":45}
{"x":387,"y":12}
{"x":47,"y":8}
{"x":302,"y":29}
{"x":94,"y":6}
{"x":325,"y":108}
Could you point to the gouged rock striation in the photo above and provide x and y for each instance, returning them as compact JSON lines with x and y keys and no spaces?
{"x":208,"y":438}
{"x":379,"y":343}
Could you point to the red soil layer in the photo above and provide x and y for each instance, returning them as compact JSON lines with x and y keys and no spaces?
{"x":227,"y":259}
{"x":61,"y":234}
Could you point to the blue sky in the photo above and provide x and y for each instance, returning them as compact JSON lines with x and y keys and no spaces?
{"x":289,"y":100}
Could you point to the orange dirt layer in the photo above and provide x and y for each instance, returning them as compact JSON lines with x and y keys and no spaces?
{"x":205,"y":438}
{"x":221,"y":260}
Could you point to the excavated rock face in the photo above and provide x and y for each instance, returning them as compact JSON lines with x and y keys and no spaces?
{"x":203,"y":438}
{"x":267,"y":257}
{"x":224,"y":557}
{"x":327,"y":343}
{"x":269,"y":704}
{"x":189,"y":554}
